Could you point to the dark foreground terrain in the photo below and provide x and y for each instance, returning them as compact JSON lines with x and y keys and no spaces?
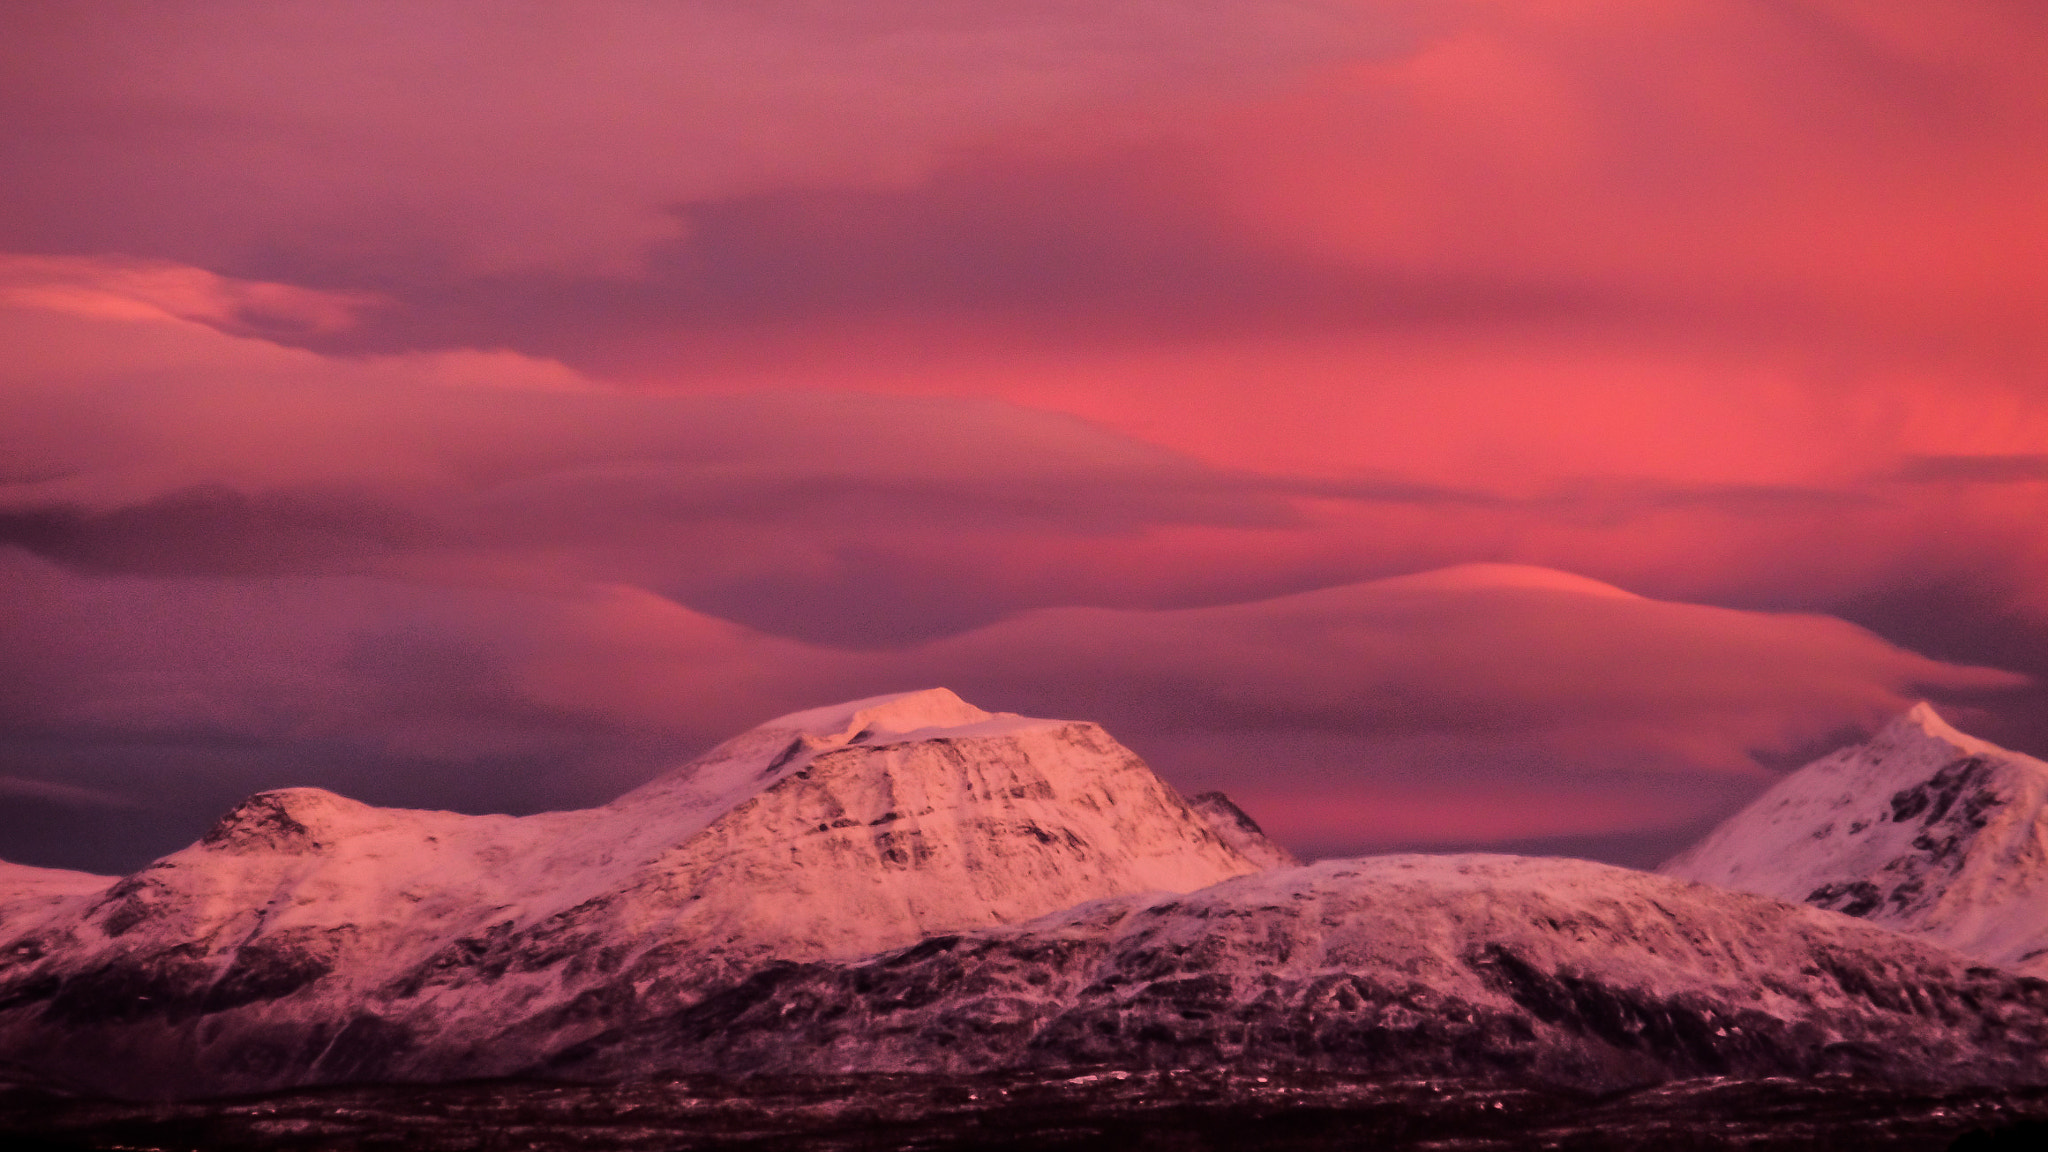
{"x":1190,"y":1110}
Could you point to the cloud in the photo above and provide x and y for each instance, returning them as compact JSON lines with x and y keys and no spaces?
{"x":530,"y":136}
{"x":151,"y":289}
{"x":1739,"y":158}
{"x":1470,"y":705}
{"x":1749,"y":173}
{"x":159,"y":430}
{"x":215,"y":531}
{"x":1477,"y":650}
{"x":55,"y":792}
{"x":1483,"y":652}
{"x":491,"y":425}
{"x":1670,"y":297}
{"x":490,"y":582}
{"x":2009,"y":468}
{"x":1767,"y":164}
{"x":150,"y":444}
{"x":1569,"y":705}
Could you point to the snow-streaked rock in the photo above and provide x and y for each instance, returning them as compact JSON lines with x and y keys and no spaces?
{"x":1561,"y":971}
{"x":308,"y":938}
{"x":1240,"y":831}
{"x":1921,"y":829}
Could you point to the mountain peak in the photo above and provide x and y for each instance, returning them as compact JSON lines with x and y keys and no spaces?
{"x":1922,"y":829}
{"x":892,"y":715}
{"x":788,"y":745}
{"x":291,"y":820}
{"x":1922,"y":722}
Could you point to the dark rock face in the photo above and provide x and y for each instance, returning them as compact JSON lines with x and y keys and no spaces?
{"x":1558,"y":971}
{"x":279,"y":821}
{"x":1931,"y":800}
{"x":1240,"y":831}
{"x":277,"y":966}
{"x":1851,"y":898}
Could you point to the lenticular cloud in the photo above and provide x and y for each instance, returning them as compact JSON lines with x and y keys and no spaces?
{"x":485,"y":581}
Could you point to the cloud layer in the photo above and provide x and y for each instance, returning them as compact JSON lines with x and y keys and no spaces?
{"x":490,"y":582}
{"x":484,"y":407}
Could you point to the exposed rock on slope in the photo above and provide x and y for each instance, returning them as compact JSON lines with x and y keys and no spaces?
{"x":1240,"y":831}
{"x":308,"y":938}
{"x":1558,"y":970}
{"x":1921,"y":829}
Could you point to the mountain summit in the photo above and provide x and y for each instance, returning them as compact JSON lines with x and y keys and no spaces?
{"x":307,"y":938}
{"x":1920,"y":829}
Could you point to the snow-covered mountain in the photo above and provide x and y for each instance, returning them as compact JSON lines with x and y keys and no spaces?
{"x":307,"y":938}
{"x":1562,"y":971}
{"x":1921,"y":829}
{"x":854,"y":889}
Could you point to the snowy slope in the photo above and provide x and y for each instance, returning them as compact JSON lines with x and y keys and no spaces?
{"x":1921,"y":829}
{"x":309,"y":938}
{"x":1563,"y":971}
{"x":34,"y":898}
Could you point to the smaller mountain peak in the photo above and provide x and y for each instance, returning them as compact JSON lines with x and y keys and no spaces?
{"x":290,"y":820}
{"x":890,"y":715}
{"x":1922,"y":829}
{"x":1240,"y":831}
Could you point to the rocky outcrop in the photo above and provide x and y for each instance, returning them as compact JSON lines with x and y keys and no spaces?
{"x":307,"y":938}
{"x":1921,"y":829}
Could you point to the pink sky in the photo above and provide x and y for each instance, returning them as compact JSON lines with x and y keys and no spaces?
{"x":488,"y":407}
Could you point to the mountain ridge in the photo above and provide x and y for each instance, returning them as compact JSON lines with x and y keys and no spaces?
{"x":1562,"y":972}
